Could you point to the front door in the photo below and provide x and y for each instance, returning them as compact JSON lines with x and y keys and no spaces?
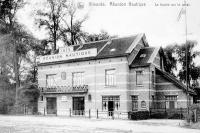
{"x":78,"y":105}
{"x":110,"y":108}
{"x":51,"y":105}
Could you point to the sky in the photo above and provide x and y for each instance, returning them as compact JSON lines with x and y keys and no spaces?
{"x":156,"y":18}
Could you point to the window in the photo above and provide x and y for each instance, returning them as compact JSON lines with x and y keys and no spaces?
{"x":78,"y":78}
{"x":143,"y":104}
{"x":110,"y":77}
{"x":142,"y":55}
{"x":139,"y":77}
{"x":134,"y":103}
{"x":110,"y":103}
{"x":41,"y":98}
{"x":171,"y":102}
{"x":153,"y":78}
{"x":89,"y":97}
{"x":63,"y":75}
{"x":50,"y":80}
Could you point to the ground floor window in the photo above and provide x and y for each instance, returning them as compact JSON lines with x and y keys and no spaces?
{"x":110,"y":103}
{"x":143,"y":104}
{"x":41,"y":98}
{"x":171,"y":101}
{"x":134,"y":103}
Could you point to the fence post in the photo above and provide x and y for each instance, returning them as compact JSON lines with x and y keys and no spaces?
{"x":149,"y":112}
{"x":70,"y":112}
{"x":24,"y":109}
{"x":44,"y":111}
{"x":180,"y":113}
{"x":97,"y":114}
{"x":89,"y":113}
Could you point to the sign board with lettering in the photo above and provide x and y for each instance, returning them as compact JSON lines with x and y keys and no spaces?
{"x":66,"y":49}
{"x":67,"y":55}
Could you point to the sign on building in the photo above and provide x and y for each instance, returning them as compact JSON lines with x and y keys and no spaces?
{"x":67,"y":53}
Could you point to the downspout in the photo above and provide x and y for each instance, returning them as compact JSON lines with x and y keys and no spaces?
{"x":95,"y":83}
{"x":149,"y":84}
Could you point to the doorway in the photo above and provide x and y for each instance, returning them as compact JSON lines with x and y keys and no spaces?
{"x":78,"y":105}
{"x":51,"y":105}
{"x":110,"y":108}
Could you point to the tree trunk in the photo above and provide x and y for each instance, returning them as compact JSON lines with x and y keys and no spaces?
{"x":72,"y":38}
{"x":16,"y":71}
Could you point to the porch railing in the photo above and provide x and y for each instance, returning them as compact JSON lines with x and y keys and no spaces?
{"x":64,"y":89}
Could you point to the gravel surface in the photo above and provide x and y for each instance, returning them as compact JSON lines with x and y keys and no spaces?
{"x":51,"y":124}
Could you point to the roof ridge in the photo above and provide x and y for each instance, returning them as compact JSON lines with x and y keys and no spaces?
{"x":135,"y":42}
{"x":173,"y":78}
{"x":124,"y":37}
{"x":148,"y":47}
{"x":153,"y":55}
{"x":108,"y":39}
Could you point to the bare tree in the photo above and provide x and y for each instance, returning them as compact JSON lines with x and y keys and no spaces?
{"x":50,"y":19}
{"x":72,"y":34}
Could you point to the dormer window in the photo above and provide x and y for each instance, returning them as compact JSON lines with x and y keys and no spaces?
{"x":112,"y":50}
{"x":109,"y":41}
{"x":142,"y":55}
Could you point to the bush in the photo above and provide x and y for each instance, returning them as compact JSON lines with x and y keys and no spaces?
{"x":159,"y":115}
{"x":140,"y":115}
{"x":176,"y":116}
{"x":28,"y":95}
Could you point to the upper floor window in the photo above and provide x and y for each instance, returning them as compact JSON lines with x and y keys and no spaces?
{"x":110,"y":77}
{"x":139,"y":77}
{"x":50,"y":80}
{"x":78,"y":78}
{"x":153,"y":77}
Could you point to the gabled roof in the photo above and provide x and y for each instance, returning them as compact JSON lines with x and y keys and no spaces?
{"x":115,"y":47}
{"x":143,"y":57}
{"x":175,"y":81}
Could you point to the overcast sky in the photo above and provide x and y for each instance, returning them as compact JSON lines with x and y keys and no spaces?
{"x":159,"y":23}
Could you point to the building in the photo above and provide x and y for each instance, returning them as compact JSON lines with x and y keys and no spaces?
{"x":113,"y":76}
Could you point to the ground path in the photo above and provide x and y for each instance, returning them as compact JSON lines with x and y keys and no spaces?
{"x":52,"y":124}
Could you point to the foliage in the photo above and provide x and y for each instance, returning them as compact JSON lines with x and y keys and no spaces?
{"x":103,"y":35}
{"x":7,"y":97}
{"x":16,"y":42}
{"x":191,"y":54}
{"x":72,"y":34}
{"x":171,"y":61}
{"x":139,"y":115}
{"x":28,"y":93}
{"x":177,"y":54}
{"x":50,"y":19}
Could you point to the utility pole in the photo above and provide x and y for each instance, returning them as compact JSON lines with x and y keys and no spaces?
{"x":186,"y":54}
